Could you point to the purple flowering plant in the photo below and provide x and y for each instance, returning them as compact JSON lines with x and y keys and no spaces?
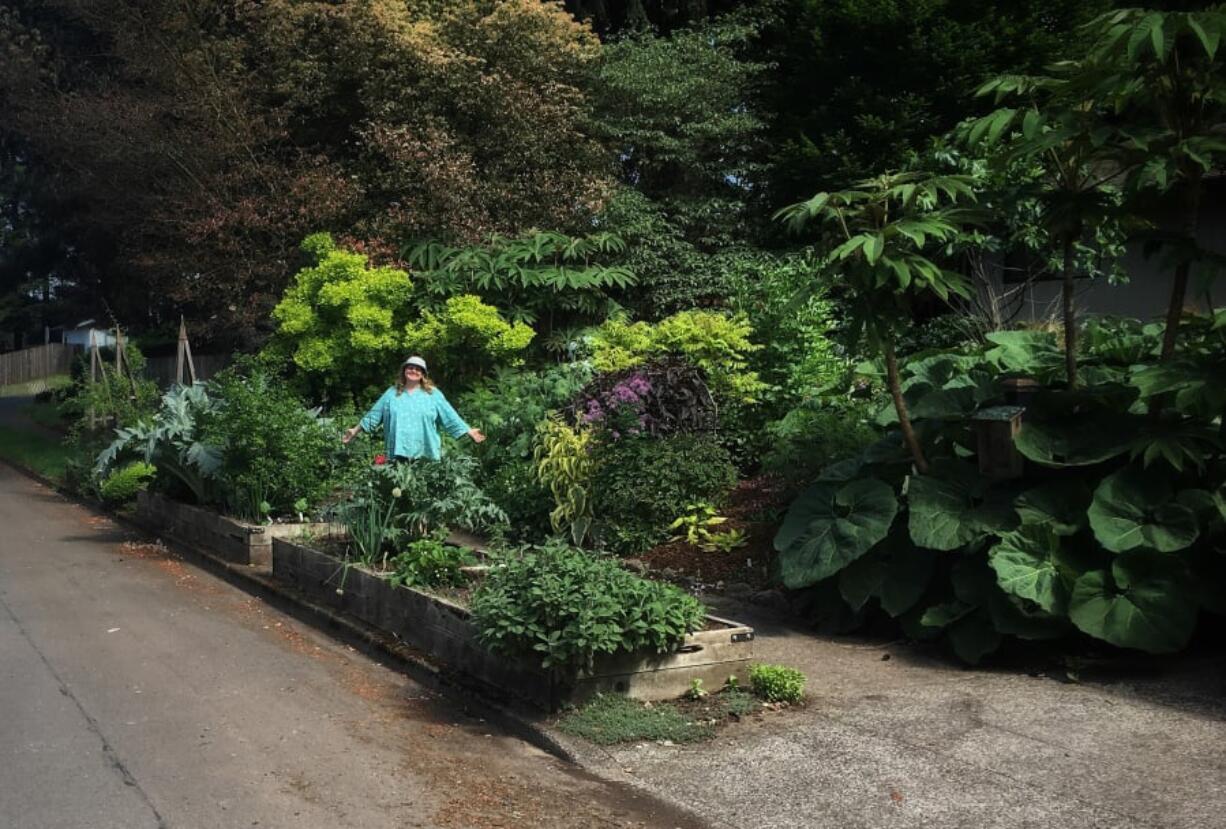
{"x":656,"y":398}
{"x":620,"y":409}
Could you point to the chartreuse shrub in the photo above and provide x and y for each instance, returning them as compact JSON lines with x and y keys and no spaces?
{"x":123,"y":484}
{"x":777,"y":683}
{"x":341,"y":322}
{"x":565,"y":608}
{"x":1115,"y":529}
{"x":466,"y":337}
{"x":717,"y":343}
{"x":641,"y":485}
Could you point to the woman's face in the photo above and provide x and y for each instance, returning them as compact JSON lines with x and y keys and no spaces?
{"x":412,"y":375}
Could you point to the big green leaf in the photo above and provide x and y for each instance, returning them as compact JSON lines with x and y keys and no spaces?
{"x":1078,"y":428}
{"x":1133,"y":509}
{"x":974,"y":636}
{"x":953,"y":506}
{"x":1033,"y":353}
{"x":1060,"y":506}
{"x":1145,"y":601}
{"x":1030,"y":564}
{"x":895,"y":571}
{"x":831,"y":525}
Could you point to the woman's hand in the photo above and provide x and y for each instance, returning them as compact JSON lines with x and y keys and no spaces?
{"x":350,"y":434}
{"x":476,"y":435}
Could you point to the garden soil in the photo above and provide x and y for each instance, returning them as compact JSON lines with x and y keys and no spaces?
{"x":139,"y":691}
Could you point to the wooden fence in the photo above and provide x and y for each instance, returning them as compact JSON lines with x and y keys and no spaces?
{"x":162,"y":369}
{"x":37,"y":363}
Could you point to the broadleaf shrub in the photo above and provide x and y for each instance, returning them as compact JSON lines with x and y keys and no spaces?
{"x":566,"y":607}
{"x":641,"y":485}
{"x":274,"y":450}
{"x":1112,"y":527}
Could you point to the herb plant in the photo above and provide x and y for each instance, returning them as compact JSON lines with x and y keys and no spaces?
{"x":566,"y":607}
{"x":429,"y":562}
{"x":777,"y":683}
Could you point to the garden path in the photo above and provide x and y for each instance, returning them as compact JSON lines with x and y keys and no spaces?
{"x":892,"y":737}
{"x":138,"y":691}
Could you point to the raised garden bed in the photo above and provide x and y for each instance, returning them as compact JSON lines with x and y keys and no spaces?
{"x":228,"y":538}
{"x":443,"y":629}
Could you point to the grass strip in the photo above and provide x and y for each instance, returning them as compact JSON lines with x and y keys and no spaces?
{"x":34,"y":387}
{"x":35,"y":450}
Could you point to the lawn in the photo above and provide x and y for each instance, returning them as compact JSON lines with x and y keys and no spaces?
{"x":35,"y":386}
{"x":35,"y":450}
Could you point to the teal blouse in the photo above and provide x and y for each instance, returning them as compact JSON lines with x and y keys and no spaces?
{"x":410,"y":422}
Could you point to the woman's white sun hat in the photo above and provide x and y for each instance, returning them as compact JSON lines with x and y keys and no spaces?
{"x":415,"y":361}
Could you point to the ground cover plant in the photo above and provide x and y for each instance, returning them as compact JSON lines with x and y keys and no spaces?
{"x":609,"y":719}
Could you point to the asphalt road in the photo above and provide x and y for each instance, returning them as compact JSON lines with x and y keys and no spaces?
{"x":137,"y":691}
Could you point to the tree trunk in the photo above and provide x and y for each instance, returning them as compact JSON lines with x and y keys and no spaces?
{"x":900,"y":406}
{"x":1179,"y":289}
{"x":1070,"y":317}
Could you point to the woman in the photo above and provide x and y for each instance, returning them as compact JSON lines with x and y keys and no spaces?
{"x":410,"y":413}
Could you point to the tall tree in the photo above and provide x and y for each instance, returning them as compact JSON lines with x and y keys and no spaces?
{"x":862,"y":85}
{"x":884,"y":236}
{"x":1163,"y":77}
{"x":205,"y":140}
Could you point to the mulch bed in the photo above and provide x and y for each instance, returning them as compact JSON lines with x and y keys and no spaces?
{"x":753,"y":507}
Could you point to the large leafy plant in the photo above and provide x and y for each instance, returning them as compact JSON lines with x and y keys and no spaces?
{"x":885,"y":239}
{"x":275,"y":450}
{"x":172,"y":442}
{"x":1115,"y":529}
{"x":538,"y":279}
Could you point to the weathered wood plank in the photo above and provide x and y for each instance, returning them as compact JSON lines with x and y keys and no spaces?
{"x":444,"y":630}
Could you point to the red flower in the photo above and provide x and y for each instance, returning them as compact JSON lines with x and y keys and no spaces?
{"x":380,"y":459}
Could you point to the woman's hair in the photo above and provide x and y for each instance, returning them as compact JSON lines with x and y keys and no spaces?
{"x":427,"y":385}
